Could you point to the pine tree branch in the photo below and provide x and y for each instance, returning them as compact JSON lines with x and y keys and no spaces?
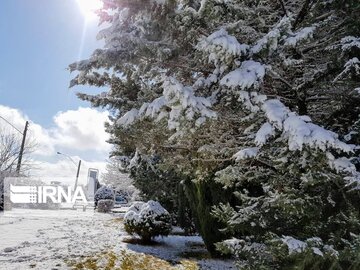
{"x":177,"y":147}
{"x":283,"y":7}
{"x":302,"y":14}
{"x":265,"y":164}
{"x":275,"y":76}
{"x":213,"y":159}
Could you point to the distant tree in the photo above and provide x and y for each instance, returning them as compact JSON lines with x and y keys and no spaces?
{"x":10,"y":149}
{"x":9,"y":153}
{"x":119,"y":180}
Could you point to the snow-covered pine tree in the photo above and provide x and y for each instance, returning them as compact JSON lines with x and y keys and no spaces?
{"x":234,"y":94}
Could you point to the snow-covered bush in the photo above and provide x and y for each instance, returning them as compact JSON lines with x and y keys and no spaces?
{"x":104,"y":193}
{"x":147,"y":220}
{"x":104,"y":206}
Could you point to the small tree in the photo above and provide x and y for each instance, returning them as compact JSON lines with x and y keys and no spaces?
{"x":147,"y":220}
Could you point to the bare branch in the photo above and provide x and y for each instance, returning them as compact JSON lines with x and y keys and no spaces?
{"x":10,"y":149}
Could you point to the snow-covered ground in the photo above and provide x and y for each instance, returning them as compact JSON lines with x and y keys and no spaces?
{"x":49,"y":239}
{"x":41,"y":239}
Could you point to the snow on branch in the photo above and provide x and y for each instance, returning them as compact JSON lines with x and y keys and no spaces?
{"x":128,"y":118}
{"x":351,"y":65}
{"x":282,"y":34}
{"x":294,"y":245}
{"x":178,"y":103}
{"x":264,"y":133}
{"x":200,"y":11}
{"x":221,"y":47}
{"x":349,"y":42}
{"x":246,"y":153}
{"x":184,"y":104}
{"x":314,"y":244}
{"x":250,"y":74}
{"x":299,"y":130}
{"x":154,"y":108}
{"x":271,"y":40}
{"x":299,"y":36}
{"x":344,"y":165}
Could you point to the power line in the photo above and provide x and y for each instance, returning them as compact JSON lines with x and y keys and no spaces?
{"x":11,"y":125}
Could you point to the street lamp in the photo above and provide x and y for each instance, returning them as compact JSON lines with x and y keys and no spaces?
{"x":78,"y":167}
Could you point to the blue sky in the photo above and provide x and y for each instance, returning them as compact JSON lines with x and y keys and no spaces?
{"x":40,"y":38}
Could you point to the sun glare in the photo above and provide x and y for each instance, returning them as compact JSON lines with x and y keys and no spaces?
{"x":88,"y":7}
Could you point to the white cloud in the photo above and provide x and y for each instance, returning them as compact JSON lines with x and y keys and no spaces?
{"x":79,"y":132}
{"x":14,"y":116}
{"x":82,"y":129}
{"x":35,"y":133}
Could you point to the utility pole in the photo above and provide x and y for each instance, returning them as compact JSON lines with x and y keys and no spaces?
{"x":22,"y":147}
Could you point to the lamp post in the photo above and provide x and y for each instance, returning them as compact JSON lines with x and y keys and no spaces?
{"x":78,"y":167}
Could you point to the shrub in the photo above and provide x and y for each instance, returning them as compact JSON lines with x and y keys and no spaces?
{"x":104,"y":193}
{"x":147,"y":220}
{"x":104,"y":206}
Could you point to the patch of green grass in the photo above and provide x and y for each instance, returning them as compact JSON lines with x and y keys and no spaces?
{"x":126,"y":260}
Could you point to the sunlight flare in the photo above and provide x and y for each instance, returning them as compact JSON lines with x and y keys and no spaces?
{"x":88,"y":8}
